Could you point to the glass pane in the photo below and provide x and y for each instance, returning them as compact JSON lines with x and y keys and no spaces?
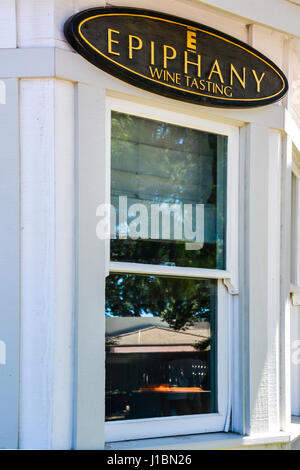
{"x":160,"y":346}
{"x":168,"y":190}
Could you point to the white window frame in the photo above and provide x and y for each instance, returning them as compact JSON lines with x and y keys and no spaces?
{"x":295,"y":291}
{"x":295,"y":286}
{"x":202,"y":423}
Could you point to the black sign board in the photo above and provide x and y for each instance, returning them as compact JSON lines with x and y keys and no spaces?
{"x":175,"y":57}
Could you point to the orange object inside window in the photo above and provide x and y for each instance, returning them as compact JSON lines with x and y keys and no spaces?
{"x":169,"y":389}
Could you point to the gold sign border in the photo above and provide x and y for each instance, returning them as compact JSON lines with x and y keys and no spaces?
{"x":166,"y":84}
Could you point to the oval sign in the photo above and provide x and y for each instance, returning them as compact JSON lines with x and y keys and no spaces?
{"x":175,"y":57}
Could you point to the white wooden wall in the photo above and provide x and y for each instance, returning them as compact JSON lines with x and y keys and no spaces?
{"x":47,"y":262}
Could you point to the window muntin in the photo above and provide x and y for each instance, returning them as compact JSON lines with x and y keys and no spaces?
{"x":157,"y":163}
{"x":160,"y":346}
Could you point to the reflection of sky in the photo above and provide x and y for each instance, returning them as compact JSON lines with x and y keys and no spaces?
{"x":143,"y":314}
{"x":109,"y":314}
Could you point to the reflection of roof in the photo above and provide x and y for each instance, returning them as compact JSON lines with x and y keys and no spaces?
{"x":159,"y":339}
{"x":156,"y":335}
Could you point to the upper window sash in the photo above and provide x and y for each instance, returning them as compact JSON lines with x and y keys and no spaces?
{"x":230,"y":271}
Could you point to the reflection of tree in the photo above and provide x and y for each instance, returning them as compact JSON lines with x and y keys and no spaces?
{"x":163,"y":252}
{"x":110,"y":342}
{"x":179,"y":302}
{"x":202,"y":345}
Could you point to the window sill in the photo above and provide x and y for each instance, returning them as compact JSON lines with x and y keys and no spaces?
{"x":210,"y":441}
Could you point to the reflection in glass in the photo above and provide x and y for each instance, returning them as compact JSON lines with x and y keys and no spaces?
{"x":160,"y":346}
{"x":155,"y":162}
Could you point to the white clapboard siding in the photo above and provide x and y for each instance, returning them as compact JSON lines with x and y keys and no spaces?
{"x":47,"y":263}
{"x":7,"y":24}
{"x":40,"y":22}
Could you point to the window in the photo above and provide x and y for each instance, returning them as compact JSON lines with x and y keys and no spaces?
{"x":166,"y":305}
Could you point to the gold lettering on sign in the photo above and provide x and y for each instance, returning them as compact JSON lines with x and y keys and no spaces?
{"x":216,"y":69}
{"x":156,"y":73}
{"x":152,"y":61}
{"x":110,"y":41}
{"x":168,"y":57}
{"x":191,"y":40}
{"x":233,"y":71}
{"x":131,"y":47}
{"x":218,"y":89}
{"x":258,"y":80}
{"x":202,"y":85}
{"x":228,"y":93}
{"x":197,"y":64}
{"x":161,"y":74}
{"x":208,"y":85}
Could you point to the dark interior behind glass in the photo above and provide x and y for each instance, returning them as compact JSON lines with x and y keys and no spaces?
{"x":160,"y":346}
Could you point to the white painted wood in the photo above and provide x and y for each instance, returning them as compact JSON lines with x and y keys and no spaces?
{"x":278,"y":14}
{"x":239,"y":363}
{"x":295,"y":360}
{"x":84,"y":4}
{"x":284,"y":351}
{"x":8,"y":23}
{"x":191,"y":10}
{"x":35,"y":23}
{"x":168,"y":270}
{"x":288,"y":68}
{"x":273,"y":293}
{"x":262,"y":243}
{"x":62,"y":10}
{"x":9,"y":266}
{"x":47,"y":264}
{"x":296,"y":171}
{"x":295,"y":294}
{"x":211,"y":441}
{"x":90,"y":334}
{"x":27,"y":63}
{"x":232,"y":241}
{"x":40,"y":22}
{"x":37,"y":262}
{"x":257,"y":278}
{"x":63,"y":377}
{"x":292,"y":130}
{"x":269,"y":42}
